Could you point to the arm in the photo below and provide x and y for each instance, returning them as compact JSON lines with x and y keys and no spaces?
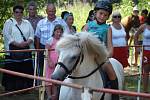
{"x":31,"y":36}
{"x":109,"y":42}
{"x":49,"y":53}
{"x":48,"y":46}
{"x":85,"y":28}
{"x":140,"y":30}
{"x":7,"y":31}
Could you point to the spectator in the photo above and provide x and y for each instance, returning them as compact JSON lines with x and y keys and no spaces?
{"x":133,"y":30}
{"x":135,"y":26}
{"x":69,"y":19}
{"x":117,"y":33}
{"x":63,"y":14}
{"x":44,"y":31}
{"x":145,"y":30}
{"x":142,"y":19}
{"x":90,"y":16}
{"x":18,"y":33}
{"x":52,"y":60}
{"x":143,"y":16}
{"x":33,"y":17}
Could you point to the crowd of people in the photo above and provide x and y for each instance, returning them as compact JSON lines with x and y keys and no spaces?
{"x":40,"y":32}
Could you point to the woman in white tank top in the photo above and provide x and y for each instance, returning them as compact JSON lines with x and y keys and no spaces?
{"x":118,"y":42}
{"x":145,"y":31}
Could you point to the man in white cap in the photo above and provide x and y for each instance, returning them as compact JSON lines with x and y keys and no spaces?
{"x":133,"y":31}
{"x":135,"y":10}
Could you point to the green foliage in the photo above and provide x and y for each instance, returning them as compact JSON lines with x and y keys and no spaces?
{"x":126,"y":6}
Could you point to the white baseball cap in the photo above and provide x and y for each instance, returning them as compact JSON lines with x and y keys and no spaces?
{"x":135,"y":8}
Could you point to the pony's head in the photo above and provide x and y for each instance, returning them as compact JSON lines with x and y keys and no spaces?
{"x":134,"y":20}
{"x":129,"y":22}
{"x":74,"y":50}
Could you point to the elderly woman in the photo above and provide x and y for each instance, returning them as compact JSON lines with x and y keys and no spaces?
{"x":69,"y":19}
{"x":18,"y":34}
{"x":117,"y":42}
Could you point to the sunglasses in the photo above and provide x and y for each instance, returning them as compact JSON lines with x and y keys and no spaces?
{"x":116,"y":16}
{"x":18,"y":12}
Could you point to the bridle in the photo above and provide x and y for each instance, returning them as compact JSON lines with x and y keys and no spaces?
{"x":79,"y":59}
{"x":81,"y":56}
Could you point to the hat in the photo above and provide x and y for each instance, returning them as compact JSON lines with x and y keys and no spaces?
{"x":135,"y":8}
{"x":105,"y":5}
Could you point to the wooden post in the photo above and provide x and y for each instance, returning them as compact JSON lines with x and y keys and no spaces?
{"x":140,"y":72}
{"x":42,"y":90}
{"x":35,"y":67}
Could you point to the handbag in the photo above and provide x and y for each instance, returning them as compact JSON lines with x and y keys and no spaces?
{"x":19,"y":55}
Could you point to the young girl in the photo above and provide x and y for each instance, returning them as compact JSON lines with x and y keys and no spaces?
{"x":52,"y":60}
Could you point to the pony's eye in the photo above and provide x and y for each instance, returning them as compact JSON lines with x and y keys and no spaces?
{"x":73,"y":57}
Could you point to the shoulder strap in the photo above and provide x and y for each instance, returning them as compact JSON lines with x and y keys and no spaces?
{"x":11,"y":19}
{"x":21,"y":33}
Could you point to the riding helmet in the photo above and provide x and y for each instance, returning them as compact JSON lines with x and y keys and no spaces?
{"x":103,"y":5}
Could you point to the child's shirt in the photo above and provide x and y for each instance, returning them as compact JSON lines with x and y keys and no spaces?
{"x":99,"y":30}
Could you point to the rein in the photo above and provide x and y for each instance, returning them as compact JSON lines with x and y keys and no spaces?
{"x":80,"y":77}
{"x":70,"y":71}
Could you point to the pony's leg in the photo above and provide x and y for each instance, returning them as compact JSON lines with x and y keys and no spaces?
{"x":55,"y":92}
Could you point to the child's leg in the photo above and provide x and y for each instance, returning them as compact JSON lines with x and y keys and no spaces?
{"x":54,"y":92}
{"x":49,"y":91}
{"x":146,"y":77}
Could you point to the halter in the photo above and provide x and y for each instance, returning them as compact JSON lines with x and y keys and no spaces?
{"x":70,"y":71}
{"x":75,"y":65}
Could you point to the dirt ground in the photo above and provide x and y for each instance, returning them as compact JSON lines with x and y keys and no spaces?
{"x":29,"y":95}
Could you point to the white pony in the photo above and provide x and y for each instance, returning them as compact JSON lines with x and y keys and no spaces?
{"x":81,"y":57}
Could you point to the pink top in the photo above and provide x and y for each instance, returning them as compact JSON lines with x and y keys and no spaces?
{"x":53,"y":58}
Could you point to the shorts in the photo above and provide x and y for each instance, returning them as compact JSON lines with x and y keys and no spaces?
{"x":122,"y":55}
{"x":146,"y":57}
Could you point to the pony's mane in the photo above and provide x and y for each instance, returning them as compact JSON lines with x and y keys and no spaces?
{"x":87,"y":42}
